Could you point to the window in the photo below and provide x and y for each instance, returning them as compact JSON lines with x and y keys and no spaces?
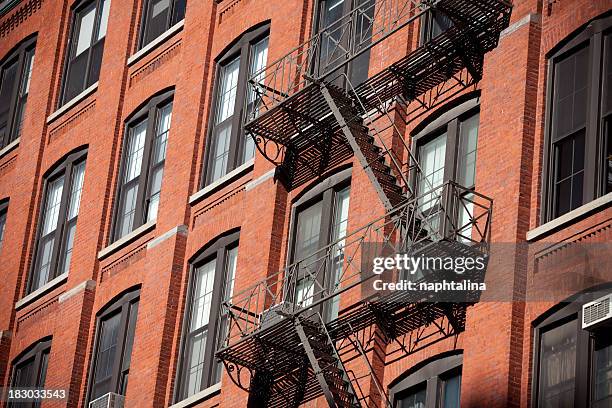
{"x":573,"y":367}
{"x":86,"y":46}
{"x":158,"y":16}
{"x":446,"y":150}
{"x":142,"y":168}
{"x":212,"y":282}
{"x":433,"y":23}
{"x":30,"y":370}
{"x":15,"y":76}
{"x":110,"y":364}
{"x":3,"y":213}
{"x":229,"y":145}
{"x":331,"y":17}
{"x":58,"y":219}
{"x":579,"y":153}
{"x":320,"y":218}
{"x":434,"y":384}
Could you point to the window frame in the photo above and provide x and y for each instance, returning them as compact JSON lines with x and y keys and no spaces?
{"x":430,"y":372}
{"x":565,"y":312}
{"x":591,"y":36}
{"x":325,"y":192}
{"x":18,"y":53}
{"x":64,"y":169}
{"x":4,"y":206}
{"x":240,"y":48}
{"x":72,"y":44}
{"x":35,"y":351}
{"x":319,"y":16}
{"x":426,"y":26}
{"x":448,"y":121}
{"x":216,"y":250}
{"x":145,"y":19}
{"x":121,"y":304}
{"x":149,"y":112}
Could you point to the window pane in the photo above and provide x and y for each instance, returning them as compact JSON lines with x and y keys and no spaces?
{"x":307,"y":243}
{"x":259,"y":56}
{"x":85,"y":27}
{"x":415,"y":399}
{"x":7,"y":85}
{"x":67,"y":256}
{"x":607,"y":75}
{"x":134,"y":151}
{"x":569,"y":177}
{"x":24,"y":89}
{"x":570,"y":100}
{"x":451,"y":392}
{"x":339,"y":227}
{"x":608,"y":155}
{"x":159,"y":7}
{"x":431,"y":156}
{"x":558,"y":366}
{"x":52,"y":206}
{"x":602,"y":378}
{"x":156,"y":183}
{"x":104,"y":18}
{"x":129,"y":210}
{"x":45,"y":253}
{"x":106,"y":354}
{"x":467,"y":157}
{"x":78,"y":174}
{"x":2,"y":224}
{"x":202,"y":295}
{"x":197,"y":351}
{"x":161,"y":138}
{"x":221,"y":147}
{"x":227,"y":90}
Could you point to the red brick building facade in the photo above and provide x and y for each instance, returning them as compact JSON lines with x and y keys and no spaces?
{"x":134,"y":109}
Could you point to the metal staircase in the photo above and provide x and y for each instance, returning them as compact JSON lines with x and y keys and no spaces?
{"x":306,"y":125}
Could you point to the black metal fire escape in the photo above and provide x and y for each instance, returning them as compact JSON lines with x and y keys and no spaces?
{"x":306,"y":124}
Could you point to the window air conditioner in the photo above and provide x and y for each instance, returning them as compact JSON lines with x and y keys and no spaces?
{"x":109,"y":400}
{"x":597,"y":313}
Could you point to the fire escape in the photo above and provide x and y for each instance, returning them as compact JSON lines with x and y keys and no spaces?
{"x":283,"y":345}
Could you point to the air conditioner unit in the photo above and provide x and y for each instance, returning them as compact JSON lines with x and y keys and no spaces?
{"x":597,"y":313}
{"x":109,"y":400}
{"x":275,"y":314}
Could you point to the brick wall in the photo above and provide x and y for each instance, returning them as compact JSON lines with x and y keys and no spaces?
{"x":497,"y":341}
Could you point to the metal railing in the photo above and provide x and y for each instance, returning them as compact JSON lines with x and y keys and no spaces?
{"x":448,"y":212}
{"x":342,"y":41}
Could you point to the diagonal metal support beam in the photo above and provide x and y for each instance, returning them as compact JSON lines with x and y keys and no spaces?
{"x":355,"y":146}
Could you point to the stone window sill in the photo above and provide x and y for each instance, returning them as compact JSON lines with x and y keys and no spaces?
{"x":9,"y":147}
{"x":147,"y":49}
{"x":125,"y":240}
{"x":222,"y":182}
{"x":199,"y":397}
{"x":569,"y":218}
{"x":43,"y":290}
{"x":72,"y":103}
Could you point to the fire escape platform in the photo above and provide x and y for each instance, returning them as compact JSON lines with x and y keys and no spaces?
{"x":303,"y":124}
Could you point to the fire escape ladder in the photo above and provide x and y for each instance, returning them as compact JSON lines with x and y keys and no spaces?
{"x":325,"y":362}
{"x":370,"y":156}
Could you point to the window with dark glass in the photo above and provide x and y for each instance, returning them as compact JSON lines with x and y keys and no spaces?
{"x":85,"y":47}
{"x":58,"y":219}
{"x":110,"y":364}
{"x":142,"y":166}
{"x":579,"y":164}
{"x":573,"y":367}
{"x":332,"y":19}
{"x":229,"y":146}
{"x":435,"y":384}
{"x":158,"y":16}
{"x":446,"y":151}
{"x":30,"y":370}
{"x":206,"y":320}
{"x":320,"y":218}
{"x":433,"y":23}
{"x":15,"y":76}
{"x":3,"y":213}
